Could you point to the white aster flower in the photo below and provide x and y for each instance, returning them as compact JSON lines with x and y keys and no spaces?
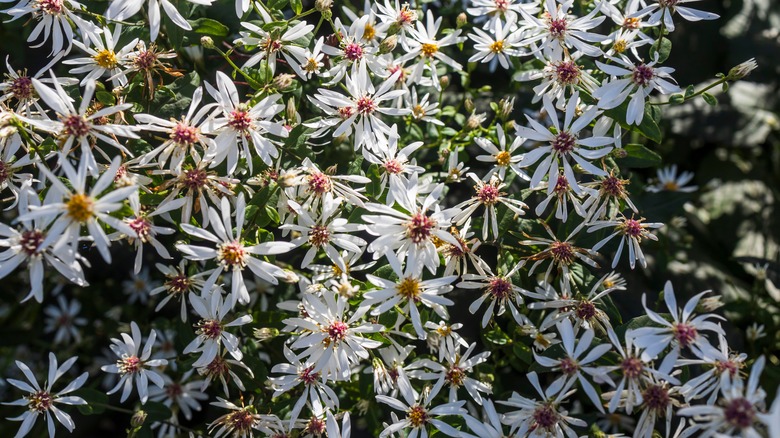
{"x":269,"y":47}
{"x":670,"y":181}
{"x":661,"y":11}
{"x":499,"y":290}
{"x":420,"y":417}
{"x":130,"y":366}
{"x":489,"y":195}
{"x":124,"y":9}
{"x":559,"y":30}
{"x":212,"y":309}
{"x":63,"y":319}
{"x":497,"y":47}
{"x":631,"y":231}
{"x":423,"y":43}
{"x":54,"y":21}
{"x":103,"y":59}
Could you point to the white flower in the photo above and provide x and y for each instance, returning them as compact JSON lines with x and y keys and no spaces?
{"x":557,"y":77}
{"x":424,"y":44}
{"x":353,"y":51}
{"x":212,"y":309}
{"x":394,"y":164}
{"x":312,"y":62}
{"x":185,"y":393}
{"x":178,"y":284}
{"x":499,"y":289}
{"x":498,"y":47}
{"x":267,"y":46}
{"x":410,"y":234}
{"x":223,"y":369}
{"x":493,"y":11}
{"x":397,"y":14}
{"x":639,"y":78}
{"x":54,"y":21}
{"x":661,"y":12}
{"x":420,"y":417}
{"x":632,"y":231}
{"x":42,"y":400}
{"x":489,"y":427}
{"x":721,"y":368}
{"x":296,"y":372}
{"x":63,"y":319}
{"x":75,"y":208}
{"x":239,"y":422}
{"x":422,"y":109}
{"x":454,"y":373}
{"x":558,"y":30}
{"x":332,"y":338}
{"x":685,"y":331}
{"x":503,"y":156}
{"x":563,"y":195}
{"x":457,"y":257}
{"x":230,"y":251}
{"x":131,"y":366}
{"x":488,"y":194}
{"x":103,"y":58}
{"x":407,"y":292}
{"x":540,"y":419}
{"x":563,"y":145}
{"x":670,"y":181}
{"x":123,"y":9}
{"x":245,"y":123}
{"x":562,"y":254}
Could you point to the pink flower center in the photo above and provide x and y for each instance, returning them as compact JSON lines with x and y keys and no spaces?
{"x":129,"y":365}
{"x":417,"y":416}
{"x":632,"y":367}
{"x":487,"y":194}
{"x":217,"y":368}
{"x":272,"y":45}
{"x":726,"y":366}
{"x":557,"y":28}
{"x":40,"y":401}
{"x":561,"y":186}
{"x":642,"y":75}
{"x":567,"y":72}
{"x":145,"y":60}
{"x":315,"y":426}
{"x":365,"y":105}
{"x":51,"y":7}
{"x":392,"y":166}
{"x":75,"y":125}
{"x":563,"y":143}
{"x":319,"y":183}
{"x":353,"y":51}
{"x":499,"y":288}
{"x":420,"y":228}
{"x":740,"y":413}
{"x":346,"y":112}
{"x":30,"y":241}
{"x":545,"y":417}
{"x":184,"y":135}
{"x":240,"y":120}
{"x":241,"y":422}
{"x":194,"y":179}
{"x":569,"y":366}
{"x":142,"y":228}
{"x":174,"y":391}
{"x":632,"y":228}
{"x":232,"y":254}
{"x":22,"y":88}
{"x":319,"y":235}
{"x":585,"y":310}
{"x":338,"y":331}
{"x":685,"y":334}
{"x":562,"y":252}
{"x":656,"y":398}
{"x":209,"y":328}
{"x":178,"y":284}
{"x":307,"y":376}
{"x":502,"y":5}
{"x":613,"y":186}
{"x":455,"y":376}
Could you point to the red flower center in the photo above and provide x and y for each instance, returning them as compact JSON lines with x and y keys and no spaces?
{"x":420,"y":228}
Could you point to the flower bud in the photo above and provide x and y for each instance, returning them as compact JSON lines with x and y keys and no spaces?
{"x":468,"y":105}
{"x":323,"y":5}
{"x":207,"y":42}
{"x":138,"y":419}
{"x":388,"y":44}
{"x":742,"y":70}
{"x":475,"y":121}
{"x":462,"y":20}
{"x":265,"y":333}
{"x":290,"y":277}
{"x":444,"y":81}
{"x":283,"y":81}
{"x":291,"y":110}
{"x":619,"y":153}
{"x":505,"y":107}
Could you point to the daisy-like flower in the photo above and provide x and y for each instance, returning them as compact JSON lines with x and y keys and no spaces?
{"x":584,"y":310}
{"x":493,"y":11}
{"x":542,"y":418}
{"x":488,"y":194}
{"x":410,"y":234}
{"x":312,"y":62}
{"x":564,"y":145}
{"x":641,"y":79}
{"x":608,"y":196}
{"x":332,"y":338}
{"x":54,"y":21}
{"x":455,"y":374}
{"x":80,"y":127}
{"x":499,"y":289}
{"x":353,"y":49}
{"x":120,"y":10}
{"x":178,"y":284}
{"x":561,"y":254}
{"x":103,"y":58}
{"x":223,"y":369}
{"x":295,"y":373}
{"x":390,"y":372}
{"x":659,"y":399}
{"x":42,"y":400}
{"x":558,"y":30}
{"x":19,"y":87}
{"x":563,"y":195}
{"x":325,"y":232}
{"x":181,"y":395}
{"x":457,"y":257}
{"x":183,"y":135}
{"x":420,"y":417}
{"x":31,"y":244}
{"x":557,"y":77}
{"x":396,"y":16}
{"x":314,"y":184}
{"x":722,"y":367}
{"x":271,"y":46}
{"x":407,"y":292}
{"x":230,"y":251}
{"x":632,"y":232}
{"x":241,"y":421}
{"x":421,"y":109}
{"x":132,"y":366}
{"x":661,"y":11}
{"x":211,"y":331}
{"x":394,"y":164}
{"x":738,"y":412}
{"x":75,"y":208}
{"x":497,"y":47}
{"x":670,"y":181}
{"x":242,"y":123}
{"x":504,"y":156}
{"x":360,"y":110}
{"x":573,"y":366}
{"x":685,"y":331}
{"x":63,"y":319}
{"x":424,"y":44}
{"x":149,"y":62}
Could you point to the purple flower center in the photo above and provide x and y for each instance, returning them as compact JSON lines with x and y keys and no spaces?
{"x":740,"y":413}
{"x":563,"y":143}
{"x":642,"y":75}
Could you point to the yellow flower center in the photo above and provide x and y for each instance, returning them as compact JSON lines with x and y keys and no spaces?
{"x":369,"y":32}
{"x":409,"y":288}
{"x":497,"y":46}
{"x":80,"y":207}
{"x":429,"y":49}
{"x":503,"y":158}
{"x":106,"y":59}
{"x":418,"y":111}
{"x":619,"y":46}
{"x":671,"y":186}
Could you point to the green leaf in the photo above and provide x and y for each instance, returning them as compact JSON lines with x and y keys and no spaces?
{"x":207,"y":26}
{"x":689,"y":91}
{"x":676,"y":98}
{"x":648,"y":128}
{"x":663,"y":48}
{"x":638,"y":155}
{"x":710,"y":99}
{"x":297,"y":6}
{"x":96,"y":401}
{"x":105,"y":98}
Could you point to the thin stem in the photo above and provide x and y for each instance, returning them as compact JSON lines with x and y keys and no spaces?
{"x":698,"y":93}
{"x":249,"y":79}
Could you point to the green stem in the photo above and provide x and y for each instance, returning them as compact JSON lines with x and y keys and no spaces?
{"x":252,"y":82}
{"x":698,"y":93}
